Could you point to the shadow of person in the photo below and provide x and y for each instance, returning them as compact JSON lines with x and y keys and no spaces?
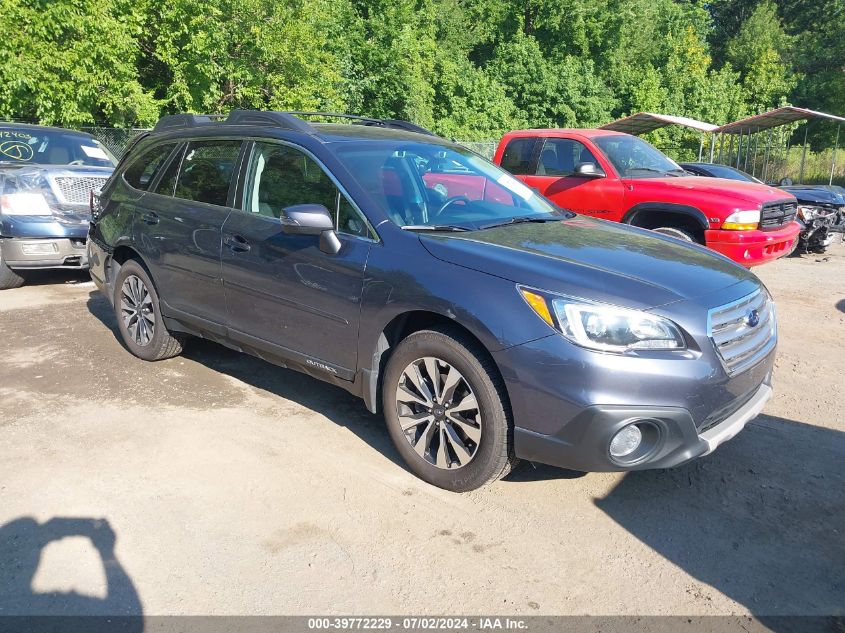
{"x":761,"y":520}
{"x":22,"y":542}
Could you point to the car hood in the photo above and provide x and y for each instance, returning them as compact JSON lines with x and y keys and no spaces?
{"x":816,"y":195}
{"x":65,"y":190}
{"x":594,"y":259}
{"x":746,"y":192}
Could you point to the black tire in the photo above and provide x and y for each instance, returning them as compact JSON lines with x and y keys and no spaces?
{"x":8,"y":278}
{"x":677,"y":233}
{"x":493,"y":457}
{"x":160,"y":343}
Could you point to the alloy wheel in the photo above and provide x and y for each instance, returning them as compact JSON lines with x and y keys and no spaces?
{"x":136,"y":307}
{"x":438,"y":413}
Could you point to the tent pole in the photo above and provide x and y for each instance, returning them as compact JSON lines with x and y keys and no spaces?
{"x":766,"y":156}
{"x":730,"y":150}
{"x":803,"y":155}
{"x":754,"y":160}
{"x":721,"y":146}
{"x":712,"y":146}
{"x":747,"y":149}
{"x":739,"y":147}
{"x":833,"y":158}
{"x":700,"y":147}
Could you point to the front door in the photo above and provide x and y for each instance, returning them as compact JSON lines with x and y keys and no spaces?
{"x":282,"y":292}
{"x":555,"y":178}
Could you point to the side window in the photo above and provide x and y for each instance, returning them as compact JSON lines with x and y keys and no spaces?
{"x":144,"y":169}
{"x":517,"y":155}
{"x":167,"y":182}
{"x":281,"y":176}
{"x":206,"y":171}
{"x":561,"y":155}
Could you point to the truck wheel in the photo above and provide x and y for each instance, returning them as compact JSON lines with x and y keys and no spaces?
{"x":681,"y":234}
{"x":447,"y":412}
{"x":136,"y":306}
{"x":8,"y":278}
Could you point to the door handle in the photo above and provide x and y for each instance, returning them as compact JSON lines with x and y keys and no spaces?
{"x":150,"y":218}
{"x":236,"y":243}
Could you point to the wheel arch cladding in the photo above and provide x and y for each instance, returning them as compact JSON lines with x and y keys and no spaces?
{"x":399,"y":328}
{"x":650,"y":215}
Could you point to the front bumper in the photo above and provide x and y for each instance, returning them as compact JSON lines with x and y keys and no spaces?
{"x":678,"y":442}
{"x":31,"y":253}
{"x":752,"y":248}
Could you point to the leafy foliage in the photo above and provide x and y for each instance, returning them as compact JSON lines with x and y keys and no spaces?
{"x":469,"y":69}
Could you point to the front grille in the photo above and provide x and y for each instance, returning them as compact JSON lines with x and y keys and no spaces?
{"x":777,"y":214}
{"x":740,"y":341}
{"x":76,"y":190}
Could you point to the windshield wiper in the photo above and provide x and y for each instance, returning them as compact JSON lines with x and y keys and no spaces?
{"x":434,"y":227}
{"x":520,"y":219}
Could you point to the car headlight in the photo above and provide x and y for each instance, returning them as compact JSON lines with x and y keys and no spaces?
{"x":24,"y":204}
{"x":808,"y":213}
{"x":742,"y":220}
{"x":604,"y":327}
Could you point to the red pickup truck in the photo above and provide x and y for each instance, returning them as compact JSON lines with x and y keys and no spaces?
{"x":622,"y":178}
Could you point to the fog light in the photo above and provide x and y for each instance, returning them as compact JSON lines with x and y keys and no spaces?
{"x":626,"y":441}
{"x":39,"y":248}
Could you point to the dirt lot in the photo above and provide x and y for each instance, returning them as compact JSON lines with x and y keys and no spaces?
{"x":235,"y":487}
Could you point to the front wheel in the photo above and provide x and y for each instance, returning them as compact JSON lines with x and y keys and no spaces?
{"x":139,"y":320}
{"x":447,"y":412}
{"x":679,"y":234}
{"x":8,"y":278}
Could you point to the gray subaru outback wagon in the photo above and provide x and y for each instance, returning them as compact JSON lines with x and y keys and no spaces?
{"x":485,"y":323}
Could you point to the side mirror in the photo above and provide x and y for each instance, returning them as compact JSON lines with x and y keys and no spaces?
{"x":311,"y":219}
{"x":589,"y":170}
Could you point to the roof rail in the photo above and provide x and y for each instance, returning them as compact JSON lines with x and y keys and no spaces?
{"x":176,"y":121}
{"x":285,"y":120}
{"x":396,"y":124}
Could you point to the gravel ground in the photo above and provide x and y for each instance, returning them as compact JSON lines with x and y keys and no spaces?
{"x":214,"y":483}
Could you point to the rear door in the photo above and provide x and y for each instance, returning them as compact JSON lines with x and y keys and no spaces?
{"x":552,"y":173}
{"x":283,"y":293}
{"x":179,"y":229}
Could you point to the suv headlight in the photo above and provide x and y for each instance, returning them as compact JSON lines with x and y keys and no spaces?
{"x":604,"y":327}
{"x":24,"y":204}
{"x":742,"y":220}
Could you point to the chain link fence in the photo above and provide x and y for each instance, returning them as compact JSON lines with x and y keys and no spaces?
{"x":115,"y":139}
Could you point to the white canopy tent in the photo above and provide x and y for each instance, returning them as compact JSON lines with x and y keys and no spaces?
{"x":644,"y":122}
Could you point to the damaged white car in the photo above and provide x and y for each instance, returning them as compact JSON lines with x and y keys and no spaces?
{"x":46,"y":179}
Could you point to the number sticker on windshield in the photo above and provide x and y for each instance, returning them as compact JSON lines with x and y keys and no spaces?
{"x":94,"y":152}
{"x":513,"y":185}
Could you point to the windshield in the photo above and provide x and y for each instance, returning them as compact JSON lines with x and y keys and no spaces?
{"x":634,"y":158}
{"x":428,"y":186}
{"x":52,"y":147}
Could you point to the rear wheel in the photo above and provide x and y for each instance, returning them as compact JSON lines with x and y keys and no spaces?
{"x":447,"y":412}
{"x":136,"y":306}
{"x":8,"y":278}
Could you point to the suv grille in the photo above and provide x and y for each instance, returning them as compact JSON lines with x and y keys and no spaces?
{"x":76,"y":190}
{"x":777,"y":214}
{"x":744,"y":331}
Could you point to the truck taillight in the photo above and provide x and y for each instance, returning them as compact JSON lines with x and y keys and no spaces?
{"x":94,"y":204}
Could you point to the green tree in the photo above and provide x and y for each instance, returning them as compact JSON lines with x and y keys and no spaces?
{"x":760,"y":51}
{"x":71,"y":62}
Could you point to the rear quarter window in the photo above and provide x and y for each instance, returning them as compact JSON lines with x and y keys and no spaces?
{"x":142,"y":171}
{"x":517,"y":155}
